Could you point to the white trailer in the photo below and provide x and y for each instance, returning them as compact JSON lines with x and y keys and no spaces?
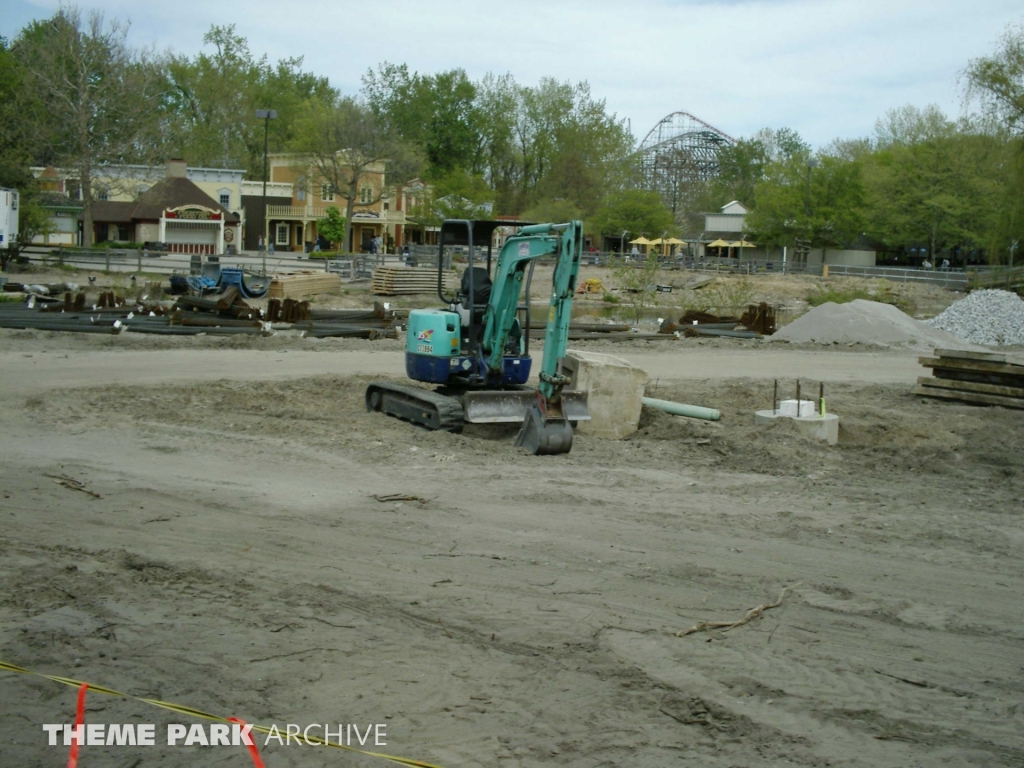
{"x":8,"y":217}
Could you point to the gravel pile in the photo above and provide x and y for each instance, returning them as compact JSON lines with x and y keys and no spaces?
{"x":984,"y":317}
{"x":865,"y":322}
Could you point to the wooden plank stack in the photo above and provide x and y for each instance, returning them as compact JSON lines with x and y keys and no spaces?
{"x":982,"y":378}
{"x":302,"y":284}
{"x":392,"y":281}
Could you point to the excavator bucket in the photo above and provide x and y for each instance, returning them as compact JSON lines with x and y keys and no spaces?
{"x":512,"y":406}
{"x":541,"y":436}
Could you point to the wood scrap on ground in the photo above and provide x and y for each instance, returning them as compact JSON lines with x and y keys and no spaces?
{"x":752,"y":614}
{"x":74,"y":485}
{"x":400,"y":497}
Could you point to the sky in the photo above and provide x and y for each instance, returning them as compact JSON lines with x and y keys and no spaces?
{"x":827,"y":68}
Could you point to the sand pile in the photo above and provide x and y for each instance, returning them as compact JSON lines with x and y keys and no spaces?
{"x":984,"y":317}
{"x":865,"y":322}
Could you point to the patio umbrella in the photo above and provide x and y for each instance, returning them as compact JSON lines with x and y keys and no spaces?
{"x":742,"y":244}
{"x":640,"y":241}
{"x":719,"y":243}
{"x":673,"y":241}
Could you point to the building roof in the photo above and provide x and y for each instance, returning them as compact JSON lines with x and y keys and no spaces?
{"x":112,"y":211}
{"x":175,"y":192}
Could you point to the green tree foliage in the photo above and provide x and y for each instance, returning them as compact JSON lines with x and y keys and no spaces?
{"x":20,"y":114}
{"x":821,"y":201}
{"x":932,"y":182}
{"x":532,"y":146}
{"x":332,"y":226}
{"x":997,"y":83}
{"x":435,"y":113}
{"x":210,"y":103}
{"x":344,"y":143}
{"x":99,"y":96}
{"x":635,"y":211}
{"x":457,"y":194}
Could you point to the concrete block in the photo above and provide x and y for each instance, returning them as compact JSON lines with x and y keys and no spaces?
{"x":806,"y":408}
{"x":615,"y":390}
{"x":820,"y":427}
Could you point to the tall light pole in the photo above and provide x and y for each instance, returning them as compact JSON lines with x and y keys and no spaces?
{"x":266,"y":115}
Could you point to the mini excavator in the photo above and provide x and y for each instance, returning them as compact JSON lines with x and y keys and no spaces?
{"x":478,"y":349}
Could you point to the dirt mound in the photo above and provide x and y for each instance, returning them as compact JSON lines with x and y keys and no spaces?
{"x":865,"y":322}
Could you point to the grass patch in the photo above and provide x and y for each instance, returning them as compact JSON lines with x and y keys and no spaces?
{"x":883,"y":294}
{"x":840,"y":296}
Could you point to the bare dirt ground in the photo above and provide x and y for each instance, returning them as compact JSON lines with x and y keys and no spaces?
{"x":525,"y":612}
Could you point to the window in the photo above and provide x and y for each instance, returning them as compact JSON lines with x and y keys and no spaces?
{"x":365,"y":195}
{"x":102,"y":193}
{"x":300,"y":189}
{"x":326,"y":192}
{"x":282,"y":234}
{"x":225,"y":200}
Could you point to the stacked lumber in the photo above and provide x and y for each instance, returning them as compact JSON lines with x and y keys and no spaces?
{"x":982,"y":378}
{"x":302,"y":284}
{"x":392,"y":281}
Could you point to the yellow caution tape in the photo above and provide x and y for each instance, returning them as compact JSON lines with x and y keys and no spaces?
{"x":198,"y":713}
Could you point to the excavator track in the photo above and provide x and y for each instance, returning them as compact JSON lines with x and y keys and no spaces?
{"x":420,"y":406}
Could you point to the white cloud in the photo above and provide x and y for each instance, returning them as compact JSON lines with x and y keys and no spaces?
{"x":828,"y":69}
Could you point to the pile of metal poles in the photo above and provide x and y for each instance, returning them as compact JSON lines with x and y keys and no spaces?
{"x":226,"y":314}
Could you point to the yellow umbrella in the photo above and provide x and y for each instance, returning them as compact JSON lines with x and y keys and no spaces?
{"x":673,"y":241}
{"x":659,"y":241}
{"x":640,"y":241}
{"x":742,"y":244}
{"x":719,"y":243}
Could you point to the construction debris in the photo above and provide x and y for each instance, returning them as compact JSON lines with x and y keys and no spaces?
{"x":225,"y":314}
{"x":757,"y":321}
{"x":981,"y":378}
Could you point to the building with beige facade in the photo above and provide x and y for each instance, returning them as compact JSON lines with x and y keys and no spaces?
{"x":291,"y":225}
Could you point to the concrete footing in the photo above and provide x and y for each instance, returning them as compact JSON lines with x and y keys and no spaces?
{"x":615,"y":392}
{"x":821,"y":427}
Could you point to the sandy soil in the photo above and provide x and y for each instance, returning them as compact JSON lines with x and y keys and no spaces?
{"x":524,"y":613}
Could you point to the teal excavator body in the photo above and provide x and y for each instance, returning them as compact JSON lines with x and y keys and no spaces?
{"x":477,"y":348}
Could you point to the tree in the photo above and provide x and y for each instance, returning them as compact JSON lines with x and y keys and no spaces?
{"x":435,"y":113}
{"x":344,"y":144}
{"x":932,"y":182}
{"x":455,"y":195}
{"x":554,"y":211}
{"x":20,"y":115}
{"x":332,"y":226}
{"x":210,"y":102}
{"x":819,"y":199}
{"x":100,"y":96}
{"x":635,"y":211}
{"x":997,"y":83}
